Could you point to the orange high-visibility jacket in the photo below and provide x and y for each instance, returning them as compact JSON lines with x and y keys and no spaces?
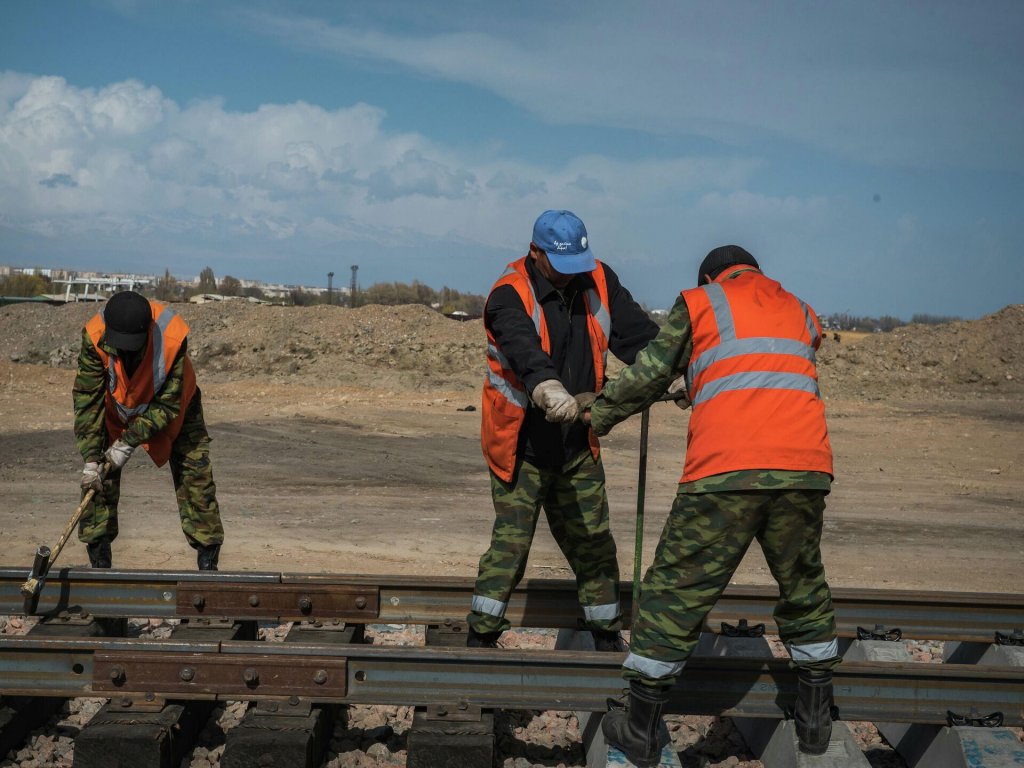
{"x":753,"y":380}
{"x":505,"y":398}
{"x":126,"y":398}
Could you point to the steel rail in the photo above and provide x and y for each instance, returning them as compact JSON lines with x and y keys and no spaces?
{"x":962,"y":616}
{"x":463,"y":678}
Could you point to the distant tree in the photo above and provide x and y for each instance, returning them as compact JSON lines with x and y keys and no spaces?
{"x":207,"y":281}
{"x":166,"y":288}
{"x":470,"y":303}
{"x":24,"y":285}
{"x":447,"y":299}
{"x":927,"y":319}
{"x":889,"y":323}
{"x":253,"y":291}
{"x":230,"y":286}
{"x":301,"y":298}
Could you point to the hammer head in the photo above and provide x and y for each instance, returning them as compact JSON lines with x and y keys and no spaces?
{"x":40,"y":566}
{"x":31,"y":587}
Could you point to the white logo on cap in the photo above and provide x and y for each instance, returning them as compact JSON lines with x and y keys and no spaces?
{"x":583,"y":242}
{"x":559,"y":246}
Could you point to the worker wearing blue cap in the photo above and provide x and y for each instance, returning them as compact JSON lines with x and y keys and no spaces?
{"x":551,"y":319}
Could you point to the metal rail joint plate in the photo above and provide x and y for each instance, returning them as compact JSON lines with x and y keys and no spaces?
{"x":295,"y":602}
{"x":206,"y":675}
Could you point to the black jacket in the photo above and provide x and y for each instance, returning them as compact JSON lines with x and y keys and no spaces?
{"x":571,"y":361}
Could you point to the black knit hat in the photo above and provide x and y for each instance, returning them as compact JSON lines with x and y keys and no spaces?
{"x":127,"y":316}
{"x":720,"y":258}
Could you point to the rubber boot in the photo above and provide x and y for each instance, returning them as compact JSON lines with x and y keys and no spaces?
{"x":608,"y":641}
{"x":99,"y":554}
{"x":207,"y":556}
{"x":635,"y":729}
{"x":813,"y":712}
{"x":476,"y":639}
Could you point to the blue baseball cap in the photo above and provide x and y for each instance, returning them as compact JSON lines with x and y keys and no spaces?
{"x":562,"y":236}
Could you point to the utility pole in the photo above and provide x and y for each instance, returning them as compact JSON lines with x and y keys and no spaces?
{"x":352,"y":290}
{"x":330,"y":277}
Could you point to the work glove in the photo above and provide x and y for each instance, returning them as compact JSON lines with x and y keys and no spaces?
{"x":92,"y":477}
{"x":558,"y":404}
{"x":584,"y":401}
{"x":679,"y":385}
{"x":118,"y":454}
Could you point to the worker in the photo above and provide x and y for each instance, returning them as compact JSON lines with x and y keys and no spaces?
{"x":136,"y":386}
{"x":551,"y":319}
{"x":758,"y":466}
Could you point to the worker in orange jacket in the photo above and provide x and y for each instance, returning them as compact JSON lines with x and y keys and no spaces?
{"x":136,"y":387}
{"x":758,"y":466}
{"x":551,"y":320}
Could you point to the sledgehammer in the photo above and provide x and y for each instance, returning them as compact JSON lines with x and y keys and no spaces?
{"x":45,"y":556}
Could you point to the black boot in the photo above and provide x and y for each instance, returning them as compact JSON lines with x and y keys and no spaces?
{"x":634,"y":730}
{"x":207,"y":556}
{"x":99,"y":554}
{"x":813,"y":712}
{"x":476,"y":639}
{"x":608,"y":640}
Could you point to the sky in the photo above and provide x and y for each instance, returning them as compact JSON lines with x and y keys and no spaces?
{"x":870,"y":154}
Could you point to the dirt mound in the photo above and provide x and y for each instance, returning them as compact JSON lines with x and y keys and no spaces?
{"x":965,"y":358}
{"x":413,"y":347}
{"x":409,"y":346}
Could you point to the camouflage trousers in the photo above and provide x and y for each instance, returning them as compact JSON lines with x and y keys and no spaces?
{"x":194,"y":488}
{"x":705,"y":537}
{"x":576,"y":506}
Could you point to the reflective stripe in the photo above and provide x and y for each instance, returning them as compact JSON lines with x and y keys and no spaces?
{"x":756,"y":380}
{"x":765,"y":345}
{"x":652,"y":667}
{"x":533,"y":295}
{"x":159,"y":366}
{"x":514,"y":395}
{"x":812,"y":330}
{"x":111,"y":370}
{"x":604,"y":612}
{"x":497,"y":355}
{"x":810,"y":652}
{"x":723,"y":313}
{"x":112,"y":373}
{"x":599,"y":311}
{"x":488,"y":605}
{"x":129,"y":413}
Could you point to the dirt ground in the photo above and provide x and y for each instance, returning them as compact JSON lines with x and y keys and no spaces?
{"x":344,"y":446}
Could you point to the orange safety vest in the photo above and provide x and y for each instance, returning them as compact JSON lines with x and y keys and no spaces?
{"x":505,"y":398}
{"x":753,"y":380}
{"x":126,"y":398}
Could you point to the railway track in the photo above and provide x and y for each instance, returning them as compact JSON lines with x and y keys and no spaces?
{"x":959,"y":616}
{"x":213,"y":655}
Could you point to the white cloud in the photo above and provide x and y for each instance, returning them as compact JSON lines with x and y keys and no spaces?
{"x":124,"y":159}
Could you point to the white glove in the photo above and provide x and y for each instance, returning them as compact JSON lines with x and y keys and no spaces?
{"x":118,"y":454}
{"x":679,"y":385}
{"x":556,"y":401}
{"x":91,"y":477}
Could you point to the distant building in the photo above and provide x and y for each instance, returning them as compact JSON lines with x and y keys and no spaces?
{"x":88,"y":285}
{"x":99,"y":288}
{"x":206,"y":298}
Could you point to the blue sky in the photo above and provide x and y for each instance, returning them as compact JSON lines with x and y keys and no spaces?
{"x":869,"y":153}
